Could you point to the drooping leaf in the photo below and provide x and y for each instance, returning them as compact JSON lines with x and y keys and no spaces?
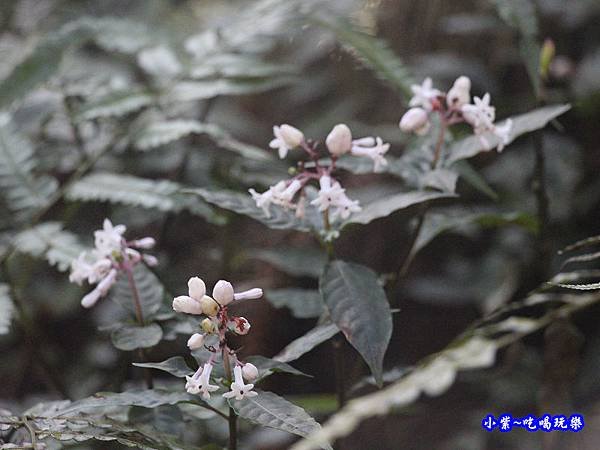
{"x":131,"y":337}
{"x":521,"y":124}
{"x":358,"y":306}
{"x":176,"y":366}
{"x":270,"y":410}
{"x":306,"y":343}
{"x":25,"y":192}
{"x":385,"y":206}
{"x":302,"y":303}
{"x":115,"y":104}
{"x":48,"y":240}
{"x":300,"y":262}
{"x":372,"y":52}
{"x":164,"y":195}
{"x":7,"y":309}
{"x":267,"y":366}
{"x":150,"y":291}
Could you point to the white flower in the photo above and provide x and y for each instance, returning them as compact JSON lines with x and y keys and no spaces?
{"x":144,"y":243}
{"x":329,"y":194}
{"x":284,"y":198}
{"x":480,"y":114}
{"x":81,"y":268}
{"x":239,"y":325}
{"x":345,"y":208}
{"x":460,"y":93}
{"x":250,"y":294}
{"x":150,"y":260}
{"x":272,"y":196}
{"x":503,"y":133}
{"x":415,"y":120}
{"x":196,"y":288}
{"x":188,"y":305}
{"x":200,"y":382}
{"x":250,"y":372}
{"x":100,"y":290}
{"x":286,"y":138}
{"x":423,"y":94}
{"x":159,"y":61}
{"x":110,"y":238}
{"x":195,"y":341}
{"x":239,"y":389}
{"x":372,"y":148}
{"x":223,"y":292}
{"x":339,"y":140}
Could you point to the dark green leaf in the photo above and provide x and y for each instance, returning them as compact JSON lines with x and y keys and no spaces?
{"x":267,"y":366}
{"x":175,"y":366}
{"x":300,"y":262}
{"x":302,"y":303}
{"x":130,"y":337}
{"x":306,"y":343}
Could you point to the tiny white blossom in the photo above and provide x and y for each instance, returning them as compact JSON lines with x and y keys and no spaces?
{"x":239,"y":389}
{"x":339,"y":140}
{"x":480,"y":114}
{"x":503,"y":133}
{"x":460,"y":93}
{"x":144,"y":243}
{"x":329,"y":194}
{"x":200,"y":382}
{"x":372,"y":148}
{"x":195,"y":341}
{"x":100,"y":290}
{"x":223,"y":292}
{"x":415,"y":120}
{"x":250,"y":372}
{"x":250,"y":294}
{"x":345,"y":208}
{"x":272,"y":196}
{"x":423,"y":94}
{"x":286,"y":138}
{"x":110,"y":238}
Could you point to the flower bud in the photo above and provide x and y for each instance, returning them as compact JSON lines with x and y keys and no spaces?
{"x":460,"y":94}
{"x":186,"y":304}
{"x":292,"y":137}
{"x":150,"y":260}
{"x":250,"y":294}
{"x":195,"y":341}
{"x":208,"y":326}
{"x":209,"y":306}
{"x":145,"y":243}
{"x":415,"y":120}
{"x":339,"y":140}
{"x":223,"y":292}
{"x":250,"y":372}
{"x":196,"y":288}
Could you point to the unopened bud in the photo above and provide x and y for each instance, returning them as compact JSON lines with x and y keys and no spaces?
{"x":209,"y":306}
{"x":223,"y":292}
{"x":208,"y":326}
{"x":196,"y":288}
{"x":415,"y":120}
{"x":460,"y":94}
{"x":250,"y":372}
{"x":292,"y":137}
{"x":195,"y":341}
{"x":339,"y":140}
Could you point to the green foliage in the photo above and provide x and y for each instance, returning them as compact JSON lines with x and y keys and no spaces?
{"x":267,"y":367}
{"x":176,"y":366}
{"x":129,"y":337}
{"x":302,"y":303}
{"x":115,"y":104}
{"x":306,"y":343}
{"x":358,"y":306}
{"x":299,"y":262}
{"x":149,"y":289}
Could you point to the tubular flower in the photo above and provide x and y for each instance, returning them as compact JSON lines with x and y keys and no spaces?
{"x":286,"y":138}
{"x":239,"y":389}
{"x":112,"y":254}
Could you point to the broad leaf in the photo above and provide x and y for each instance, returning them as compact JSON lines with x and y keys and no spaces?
{"x":273,"y":411}
{"x":7,"y":309}
{"x":302,"y":303}
{"x":267,"y":366}
{"x":115,"y":104}
{"x":299,"y":262}
{"x":358,"y":306}
{"x":131,"y":337}
{"x":524,"y":123}
{"x":306,"y":343}
{"x":176,"y":366}
{"x":149,"y":288}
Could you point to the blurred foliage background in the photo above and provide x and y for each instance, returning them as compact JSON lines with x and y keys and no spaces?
{"x":298,"y":66}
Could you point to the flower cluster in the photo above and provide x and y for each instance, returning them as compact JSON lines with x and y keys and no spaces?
{"x":331,"y":198}
{"x":217,"y":323}
{"x":111,"y":255}
{"x":453,"y":107}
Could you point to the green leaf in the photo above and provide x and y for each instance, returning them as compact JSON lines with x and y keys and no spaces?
{"x":358,"y":306}
{"x":306,"y":343}
{"x":43,"y":63}
{"x":385,"y":206}
{"x":163,"y":195}
{"x":25,"y":191}
{"x":131,"y":337}
{"x":7,"y":309}
{"x":150,"y":290}
{"x":372,"y":52}
{"x":115,"y":104}
{"x":524,"y":123}
{"x":302,"y":303}
{"x":267,"y":367}
{"x":587,"y":242}
{"x":176,"y":366}
{"x":161,"y":133}
{"x":273,"y":411}
{"x":299,"y":262}
{"x":59,"y":247}
{"x":239,"y":203}
{"x":471,"y":176}
{"x":121,"y":35}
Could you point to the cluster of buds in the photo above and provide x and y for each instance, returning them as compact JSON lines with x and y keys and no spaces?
{"x":453,"y":107}
{"x":332,"y":197}
{"x":218,"y":323}
{"x":112,"y":254}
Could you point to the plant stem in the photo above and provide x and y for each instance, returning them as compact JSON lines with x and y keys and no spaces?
{"x":440,"y":143}
{"x":232,"y":414}
{"x":139,"y":314}
{"x":340,"y":379}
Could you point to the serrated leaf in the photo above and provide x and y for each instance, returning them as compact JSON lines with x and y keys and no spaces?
{"x":121,"y":35}
{"x":164,"y":195}
{"x":176,"y":366}
{"x":25,"y":192}
{"x":358,"y":306}
{"x":385,"y":206}
{"x":524,"y":123}
{"x":300,"y":262}
{"x":131,"y":337}
{"x":267,"y":366}
{"x":280,"y":218}
{"x":7,"y":309}
{"x":149,"y":288}
{"x":302,"y":303}
{"x":306,"y":343}
{"x":59,"y":247}
{"x":372,"y":52}
{"x":114,"y":104}
{"x":270,"y":410}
